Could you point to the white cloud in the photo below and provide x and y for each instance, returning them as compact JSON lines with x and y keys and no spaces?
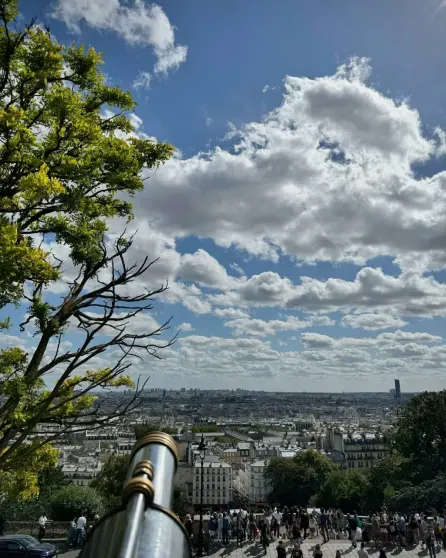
{"x":372,"y":321}
{"x":326,"y":176}
{"x":262,"y":328}
{"x":203,"y":268}
{"x":209,"y":121}
{"x":137,"y":22}
{"x":143,"y":80}
{"x":230,"y":313}
{"x":186,"y":326}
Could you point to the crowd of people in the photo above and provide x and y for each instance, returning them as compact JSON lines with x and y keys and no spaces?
{"x":297,"y":524}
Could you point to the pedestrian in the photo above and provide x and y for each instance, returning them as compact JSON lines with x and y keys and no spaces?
{"x":382,"y":554}
{"x":318,"y":552}
{"x":225,"y":529}
{"x":43,"y":520}
{"x":362,"y":552}
{"x":352,"y":525}
{"x":188,"y":525}
{"x":324,"y":526}
{"x":80,"y":530}
{"x":72,"y":532}
{"x":264,"y":536}
{"x":430,"y":542}
{"x":281,"y":550}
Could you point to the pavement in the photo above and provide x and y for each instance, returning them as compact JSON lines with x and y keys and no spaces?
{"x":255,"y":550}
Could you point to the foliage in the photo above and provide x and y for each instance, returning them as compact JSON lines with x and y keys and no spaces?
{"x":49,"y":479}
{"x":420,"y":434}
{"x":429,"y":496}
{"x":344,"y":489}
{"x":204,"y":428}
{"x":143,"y":429}
{"x":179,"y":501}
{"x":72,"y":501}
{"x":224,"y":440}
{"x":385,"y":476}
{"x":70,"y":161}
{"x":110,"y":481}
{"x":22,"y":482}
{"x":295,"y":480}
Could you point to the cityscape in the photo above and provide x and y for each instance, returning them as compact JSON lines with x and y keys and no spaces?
{"x":222,"y":278}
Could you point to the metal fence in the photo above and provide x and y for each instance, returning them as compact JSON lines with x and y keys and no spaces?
{"x":54,"y":529}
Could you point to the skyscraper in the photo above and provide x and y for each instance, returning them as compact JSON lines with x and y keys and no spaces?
{"x":397,"y":389}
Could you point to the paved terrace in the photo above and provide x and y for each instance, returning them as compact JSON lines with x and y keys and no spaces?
{"x":255,"y":550}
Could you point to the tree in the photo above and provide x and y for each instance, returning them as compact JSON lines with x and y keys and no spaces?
{"x":294,"y":481}
{"x":69,"y":162}
{"x":429,"y":496}
{"x":110,"y":481}
{"x":420,"y":434}
{"x":72,"y":501}
{"x":344,"y":489}
{"x":384,"y":477}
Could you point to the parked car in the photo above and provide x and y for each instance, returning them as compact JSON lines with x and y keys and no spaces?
{"x":25,"y":546}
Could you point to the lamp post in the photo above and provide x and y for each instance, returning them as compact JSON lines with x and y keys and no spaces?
{"x":202,"y":450}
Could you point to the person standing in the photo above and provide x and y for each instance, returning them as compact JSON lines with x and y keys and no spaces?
{"x":80,"y":530}
{"x":362,"y":552}
{"x":305,"y":523}
{"x":352,"y":525}
{"x":225,"y":529}
{"x":188,"y":525}
{"x":318,"y":552}
{"x":220,"y":528}
{"x":43,"y":520}
{"x":281,"y":550}
{"x":430,"y":542}
{"x":324,"y":526}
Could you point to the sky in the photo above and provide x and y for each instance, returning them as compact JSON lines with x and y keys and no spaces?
{"x":301,"y":223}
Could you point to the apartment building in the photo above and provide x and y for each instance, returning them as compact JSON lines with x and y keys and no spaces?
{"x":217,"y":483}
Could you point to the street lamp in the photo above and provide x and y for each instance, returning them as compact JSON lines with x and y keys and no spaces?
{"x":202,"y":450}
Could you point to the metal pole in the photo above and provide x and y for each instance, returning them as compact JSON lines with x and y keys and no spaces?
{"x":200,"y":526}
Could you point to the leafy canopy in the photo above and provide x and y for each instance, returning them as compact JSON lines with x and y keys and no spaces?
{"x":294,"y":481}
{"x":70,"y":161}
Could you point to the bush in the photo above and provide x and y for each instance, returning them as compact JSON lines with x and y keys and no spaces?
{"x":72,"y":501}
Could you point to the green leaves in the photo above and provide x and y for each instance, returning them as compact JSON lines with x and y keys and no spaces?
{"x":294,"y":481}
{"x":73,"y":501}
{"x":69,"y":162}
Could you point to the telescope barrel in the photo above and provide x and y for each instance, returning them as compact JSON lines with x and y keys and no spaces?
{"x":145,"y":526}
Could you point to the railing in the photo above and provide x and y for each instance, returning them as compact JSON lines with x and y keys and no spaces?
{"x":54,"y":529}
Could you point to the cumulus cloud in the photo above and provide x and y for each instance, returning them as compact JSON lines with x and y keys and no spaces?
{"x":372,"y":321}
{"x":325,"y":176}
{"x":137,"y":22}
{"x":262,"y":328}
{"x":230,"y":313}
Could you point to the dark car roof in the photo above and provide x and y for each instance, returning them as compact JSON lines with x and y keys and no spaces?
{"x":11,"y":537}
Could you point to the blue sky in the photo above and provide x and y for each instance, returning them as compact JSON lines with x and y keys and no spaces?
{"x":302,"y":223}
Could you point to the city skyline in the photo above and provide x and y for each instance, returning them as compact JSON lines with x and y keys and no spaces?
{"x":301,"y":222}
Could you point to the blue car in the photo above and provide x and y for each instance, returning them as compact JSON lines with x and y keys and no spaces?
{"x":25,"y":546}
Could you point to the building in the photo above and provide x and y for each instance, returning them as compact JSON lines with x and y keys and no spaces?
{"x":80,"y":475}
{"x":397,"y":389}
{"x":217,"y":483}
{"x":251,"y":484}
{"x":355,"y":451}
{"x":183,"y":480}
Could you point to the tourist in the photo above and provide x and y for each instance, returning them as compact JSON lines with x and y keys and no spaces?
{"x":295,"y":531}
{"x":423,"y":530}
{"x":252,"y":527}
{"x":382,"y":554}
{"x":281,"y":550}
{"x":188,"y":525}
{"x":304,"y":522}
{"x":80,"y":530}
{"x":213,"y":527}
{"x":312,"y":524}
{"x":318,"y":552}
{"x":352,"y":526}
{"x":430,"y":542}
{"x":264,"y":536}
{"x":43,"y":520}
{"x":220,"y":527}
{"x":414,"y":528}
{"x":324,"y":526}
{"x":225,"y":529}
{"x":72,"y":532}
{"x":362,"y":552}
